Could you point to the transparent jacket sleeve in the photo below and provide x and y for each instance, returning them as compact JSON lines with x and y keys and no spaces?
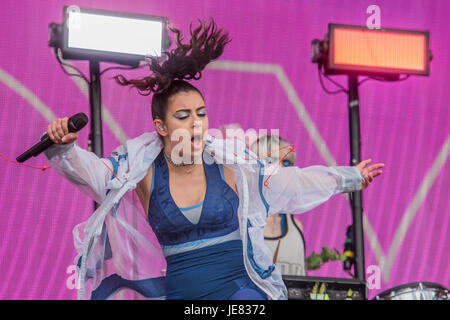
{"x":298,"y":190}
{"x":81,"y":167}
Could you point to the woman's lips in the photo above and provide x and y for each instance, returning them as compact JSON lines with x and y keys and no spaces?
{"x":196,"y":141}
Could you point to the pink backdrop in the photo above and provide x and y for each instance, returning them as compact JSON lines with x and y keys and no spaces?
{"x":404,"y":125}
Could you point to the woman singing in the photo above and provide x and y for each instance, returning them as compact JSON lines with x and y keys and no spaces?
{"x":181,"y":200}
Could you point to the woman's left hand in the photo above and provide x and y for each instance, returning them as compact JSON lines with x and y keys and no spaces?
{"x":368,"y":172}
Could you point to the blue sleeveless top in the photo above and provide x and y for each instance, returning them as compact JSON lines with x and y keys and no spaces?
{"x":204,"y":259}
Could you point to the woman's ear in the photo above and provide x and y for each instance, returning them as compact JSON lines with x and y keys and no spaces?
{"x":160,"y":127}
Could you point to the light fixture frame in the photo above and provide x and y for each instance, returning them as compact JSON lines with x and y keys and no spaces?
{"x":332,"y":68}
{"x":107,"y":56}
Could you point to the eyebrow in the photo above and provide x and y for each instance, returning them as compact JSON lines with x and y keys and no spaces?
{"x":189,"y":110}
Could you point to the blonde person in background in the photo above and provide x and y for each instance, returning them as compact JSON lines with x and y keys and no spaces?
{"x":283,"y":234}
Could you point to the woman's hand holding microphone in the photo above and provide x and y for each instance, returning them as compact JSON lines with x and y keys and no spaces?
{"x":58,"y":131}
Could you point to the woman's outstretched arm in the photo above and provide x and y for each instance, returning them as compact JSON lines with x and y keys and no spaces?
{"x":298,"y":190}
{"x":82,"y":168}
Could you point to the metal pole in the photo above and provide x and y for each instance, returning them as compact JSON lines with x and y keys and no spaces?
{"x":95,"y":99}
{"x":356,"y":198}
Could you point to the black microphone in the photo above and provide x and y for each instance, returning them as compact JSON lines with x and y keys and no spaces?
{"x":75,"y":124}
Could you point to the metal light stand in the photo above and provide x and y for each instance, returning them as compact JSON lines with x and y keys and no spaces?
{"x":356,"y":197}
{"x":95,"y":143}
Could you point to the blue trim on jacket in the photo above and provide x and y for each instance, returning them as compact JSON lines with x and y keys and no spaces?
{"x":116,"y":163}
{"x":261,"y":178}
{"x":262,"y":273}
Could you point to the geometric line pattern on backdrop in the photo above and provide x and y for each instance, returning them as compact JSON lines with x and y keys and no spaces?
{"x":413,"y":207}
{"x":34,"y":101}
{"x":19,"y":88}
{"x":112,"y":124}
{"x":386,"y":262}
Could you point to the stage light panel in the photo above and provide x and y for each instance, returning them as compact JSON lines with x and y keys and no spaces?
{"x":112,"y":36}
{"x":383,"y":51}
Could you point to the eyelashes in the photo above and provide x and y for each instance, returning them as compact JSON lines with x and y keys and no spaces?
{"x":185,"y":115}
{"x":180,"y":116}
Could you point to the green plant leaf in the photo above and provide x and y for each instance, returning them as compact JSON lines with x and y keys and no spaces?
{"x":313,"y":261}
{"x":327,"y":255}
{"x":340,"y":256}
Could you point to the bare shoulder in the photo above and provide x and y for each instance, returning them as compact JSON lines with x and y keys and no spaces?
{"x":143,"y":189}
{"x":229,"y":177}
{"x":297,"y":223}
{"x":146,"y":182}
{"x":228,"y":173}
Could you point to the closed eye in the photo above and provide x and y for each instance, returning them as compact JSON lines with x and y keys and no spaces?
{"x":201,"y":112}
{"x":181,"y":115}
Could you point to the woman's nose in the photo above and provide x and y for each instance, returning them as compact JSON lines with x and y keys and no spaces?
{"x":197,"y":124}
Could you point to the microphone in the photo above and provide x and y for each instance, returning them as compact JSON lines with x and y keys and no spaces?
{"x":75,"y":124}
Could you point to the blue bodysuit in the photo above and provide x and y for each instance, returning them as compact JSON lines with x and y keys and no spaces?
{"x":201,"y":243}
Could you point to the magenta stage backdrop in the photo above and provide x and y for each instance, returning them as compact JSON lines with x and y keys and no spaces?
{"x":265,"y":79}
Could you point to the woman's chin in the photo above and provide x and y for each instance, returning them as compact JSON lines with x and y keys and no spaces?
{"x":196,"y":152}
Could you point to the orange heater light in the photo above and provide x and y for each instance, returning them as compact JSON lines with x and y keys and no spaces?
{"x":357,"y":49}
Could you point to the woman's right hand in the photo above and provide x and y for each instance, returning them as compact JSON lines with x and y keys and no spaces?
{"x":58,"y":131}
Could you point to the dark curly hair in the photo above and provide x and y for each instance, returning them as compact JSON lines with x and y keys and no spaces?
{"x":185,"y":62}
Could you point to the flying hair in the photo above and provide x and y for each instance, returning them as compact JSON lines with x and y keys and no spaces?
{"x":185,"y":62}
